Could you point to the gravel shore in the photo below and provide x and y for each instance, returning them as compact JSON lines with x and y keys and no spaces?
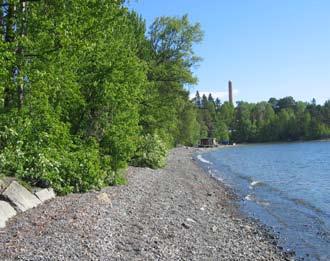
{"x":176,"y":213}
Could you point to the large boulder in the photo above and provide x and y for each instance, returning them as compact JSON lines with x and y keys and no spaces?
{"x":20,"y":196}
{"x":6,"y":212}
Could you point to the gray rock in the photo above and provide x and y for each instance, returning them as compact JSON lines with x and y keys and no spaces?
{"x":45,"y":194}
{"x":6,"y":212}
{"x":20,"y":196}
{"x":5,"y":182}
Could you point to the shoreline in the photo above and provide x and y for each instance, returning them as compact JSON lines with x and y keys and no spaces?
{"x":268,"y":231}
{"x":176,"y":213}
{"x":275,"y":142}
{"x":298,"y":219}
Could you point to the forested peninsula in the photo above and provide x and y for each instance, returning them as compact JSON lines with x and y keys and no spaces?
{"x":86,"y":89}
{"x":276,"y":120}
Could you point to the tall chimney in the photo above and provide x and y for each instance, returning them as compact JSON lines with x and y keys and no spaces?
{"x":230,"y":91}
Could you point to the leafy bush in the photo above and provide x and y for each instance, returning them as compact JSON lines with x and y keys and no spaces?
{"x":113,"y":177}
{"x":151,"y":152}
{"x":42,"y":152}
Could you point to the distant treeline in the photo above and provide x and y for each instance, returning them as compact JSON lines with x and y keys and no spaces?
{"x":276,"y":120}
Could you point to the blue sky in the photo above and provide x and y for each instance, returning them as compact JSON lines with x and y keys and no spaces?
{"x":268,"y":48}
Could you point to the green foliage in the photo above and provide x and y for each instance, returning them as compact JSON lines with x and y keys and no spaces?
{"x":151,"y":152}
{"x":221,"y":133}
{"x":83,"y":90}
{"x":42,"y":152}
{"x":244,"y":127}
{"x":275,"y":120}
{"x":189,"y":127}
{"x":170,"y":58}
{"x":119,"y":179}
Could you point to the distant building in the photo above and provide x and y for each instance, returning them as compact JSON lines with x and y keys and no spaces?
{"x":230,"y":91}
{"x":208,"y":143}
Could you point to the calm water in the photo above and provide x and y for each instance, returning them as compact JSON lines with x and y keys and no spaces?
{"x":285,"y":186}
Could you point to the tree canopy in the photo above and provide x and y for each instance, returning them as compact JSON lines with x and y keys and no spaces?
{"x":85,"y":90}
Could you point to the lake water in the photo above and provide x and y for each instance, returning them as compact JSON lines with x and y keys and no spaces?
{"x":285,"y":186}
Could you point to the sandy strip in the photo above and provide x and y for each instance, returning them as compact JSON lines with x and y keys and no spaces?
{"x":176,"y":213}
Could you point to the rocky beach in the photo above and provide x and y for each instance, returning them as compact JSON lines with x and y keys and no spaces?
{"x":175,"y":213}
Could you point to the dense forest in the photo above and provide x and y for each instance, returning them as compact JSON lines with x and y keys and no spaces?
{"x":276,"y":120}
{"x":86,"y":89}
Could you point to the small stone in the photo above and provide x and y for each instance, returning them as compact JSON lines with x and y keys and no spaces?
{"x":185,"y":225}
{"x":214,"y":228}
{"x":103,"y":198}
{"x":190,"y":220}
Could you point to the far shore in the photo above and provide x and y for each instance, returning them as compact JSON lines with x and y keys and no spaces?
{"x":220,"y":146}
